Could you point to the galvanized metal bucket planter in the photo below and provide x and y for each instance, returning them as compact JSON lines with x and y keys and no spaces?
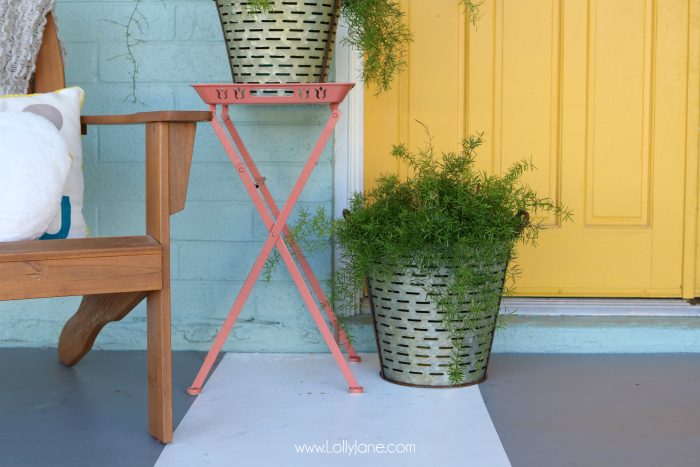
{"x":414,"y":348}
{"x":292,"y":43}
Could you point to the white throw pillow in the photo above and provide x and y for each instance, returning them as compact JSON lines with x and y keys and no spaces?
{"x":62,"y":108}
{"x":34,"y":164}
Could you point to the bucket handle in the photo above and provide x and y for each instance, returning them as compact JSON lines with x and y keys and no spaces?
{"x":524,"y":220}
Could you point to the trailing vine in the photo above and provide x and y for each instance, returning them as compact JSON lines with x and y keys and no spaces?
{"x":472,"y":11}
{"x":134,"y":24}
{"x":310,"y":231}
{"x":377,"y":29}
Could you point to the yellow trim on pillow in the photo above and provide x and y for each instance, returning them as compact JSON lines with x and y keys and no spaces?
{"x":41,"y":93}
{"x":57,"y":91}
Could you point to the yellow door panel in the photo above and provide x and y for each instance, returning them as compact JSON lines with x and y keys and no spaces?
{"x":601,"y":94}
{"x":619,"y":120}
{"x":527,"y":92}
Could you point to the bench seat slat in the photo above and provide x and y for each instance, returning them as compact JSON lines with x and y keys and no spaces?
{"x":57,"y":268}
{"x":35,"y":250}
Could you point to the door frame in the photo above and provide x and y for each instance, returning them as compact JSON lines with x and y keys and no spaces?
{"x":691,"y":240}
{"x":348,"y":167}
{"x":349,"y":148}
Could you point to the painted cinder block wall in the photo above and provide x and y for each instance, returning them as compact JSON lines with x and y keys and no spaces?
{"x":217,"y":237}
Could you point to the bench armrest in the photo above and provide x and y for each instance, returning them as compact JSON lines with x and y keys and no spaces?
{"x":170,"y":116}
{"x":169,"y":144}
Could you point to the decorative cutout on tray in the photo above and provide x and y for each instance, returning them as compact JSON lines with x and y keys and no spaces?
{"x":319,"y":92}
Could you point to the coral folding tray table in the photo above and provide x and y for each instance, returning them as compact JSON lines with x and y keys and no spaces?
{"x":219,"y":97}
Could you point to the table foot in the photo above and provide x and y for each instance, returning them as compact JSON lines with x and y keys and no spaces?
{"x":356,"y":390}
{"x":192,"y":391}
{"x":355,"y":359}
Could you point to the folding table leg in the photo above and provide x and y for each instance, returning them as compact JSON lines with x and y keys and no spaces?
{"x":275,"y":228}
{"x":316,"y":315}
{"x":236,"y":309}
{"x":254,"y":273}
{"x":305,"y":266}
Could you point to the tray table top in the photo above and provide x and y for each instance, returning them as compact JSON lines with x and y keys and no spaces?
{"x":273,"y":94}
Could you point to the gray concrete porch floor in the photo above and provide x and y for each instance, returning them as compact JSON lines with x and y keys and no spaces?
{"x":549,"y":410}
{"x":90,"y":415}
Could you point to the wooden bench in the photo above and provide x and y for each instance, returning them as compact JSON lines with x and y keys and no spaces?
{"x":113,"y":274}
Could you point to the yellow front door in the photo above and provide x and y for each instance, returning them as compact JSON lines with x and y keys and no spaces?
{"x":603,"y":94}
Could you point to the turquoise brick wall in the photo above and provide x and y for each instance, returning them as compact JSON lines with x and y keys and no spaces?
{"x":217,"y":237}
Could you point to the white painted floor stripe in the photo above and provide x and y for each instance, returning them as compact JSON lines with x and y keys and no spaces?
{"x":259,"y":410}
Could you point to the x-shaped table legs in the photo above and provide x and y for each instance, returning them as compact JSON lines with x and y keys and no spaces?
{"x":276,"y":223}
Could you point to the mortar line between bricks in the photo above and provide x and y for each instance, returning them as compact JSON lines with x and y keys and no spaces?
{"x":290,"y":282}
{"x":247,"y":124}
{"x":218,"y":43}
{"x":237,"y":242}
{"x":108,"y":163}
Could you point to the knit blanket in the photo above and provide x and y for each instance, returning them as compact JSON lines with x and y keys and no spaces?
{"x":22,"y":25}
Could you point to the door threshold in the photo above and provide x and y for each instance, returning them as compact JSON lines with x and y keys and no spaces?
{"x":598,"y":307}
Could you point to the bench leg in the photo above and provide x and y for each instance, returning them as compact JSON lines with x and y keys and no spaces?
{"x":94,"y":313}
{"x":160,"y":394}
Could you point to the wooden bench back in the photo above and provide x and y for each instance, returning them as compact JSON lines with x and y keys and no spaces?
{"x":49,"y":73}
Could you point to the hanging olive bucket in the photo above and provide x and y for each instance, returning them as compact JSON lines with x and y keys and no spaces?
{"x":290,"y":43}
{"x":414,"y":347}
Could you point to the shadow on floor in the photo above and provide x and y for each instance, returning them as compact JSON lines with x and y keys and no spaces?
{"x":93,"y":414}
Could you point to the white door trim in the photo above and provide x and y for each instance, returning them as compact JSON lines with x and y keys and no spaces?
{"x":348,"y":153}
{"x":348,"y":167}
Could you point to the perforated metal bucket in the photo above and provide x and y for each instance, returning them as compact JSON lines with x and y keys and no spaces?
{"x":292,"y":43}
{"x":414,"y":347}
